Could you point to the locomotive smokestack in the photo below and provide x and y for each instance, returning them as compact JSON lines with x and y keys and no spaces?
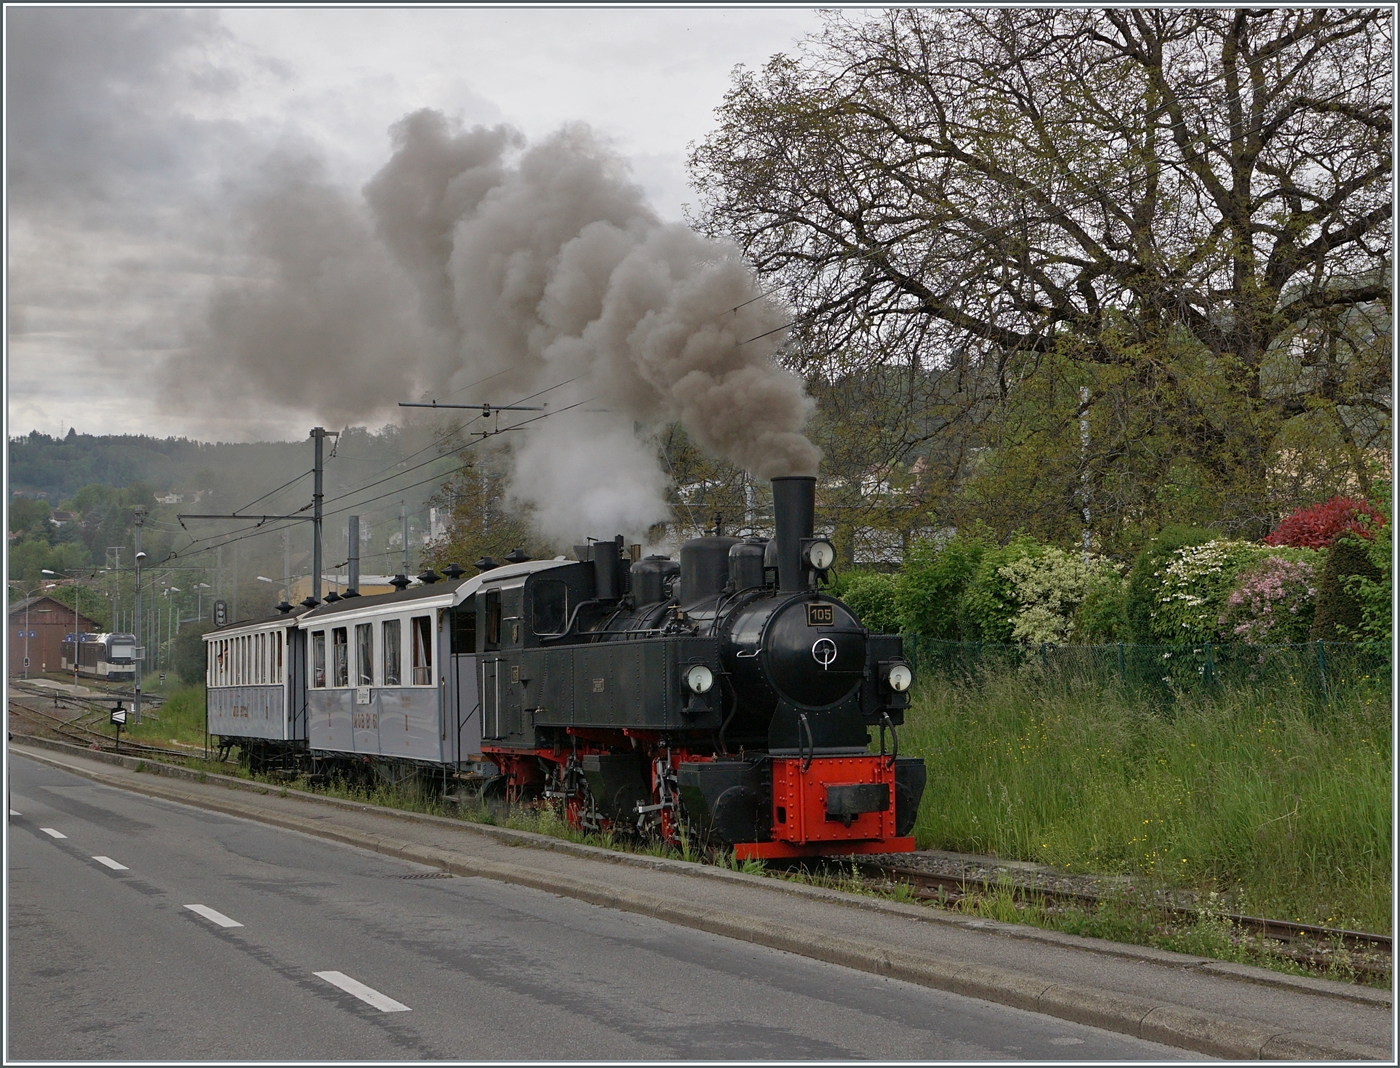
{"x":794,"y":512}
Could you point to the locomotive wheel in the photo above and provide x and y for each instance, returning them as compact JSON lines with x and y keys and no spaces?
{"x":624,"y":805}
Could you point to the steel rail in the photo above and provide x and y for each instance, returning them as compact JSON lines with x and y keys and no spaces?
{"x":934,"y":886}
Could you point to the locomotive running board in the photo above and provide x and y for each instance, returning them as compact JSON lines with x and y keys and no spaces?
{"x":784,"y":850}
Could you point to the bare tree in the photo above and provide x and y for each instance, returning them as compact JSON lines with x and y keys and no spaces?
{"x":1190,"y":207}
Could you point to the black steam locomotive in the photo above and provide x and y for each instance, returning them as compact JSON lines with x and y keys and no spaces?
{"x":723,"y":697}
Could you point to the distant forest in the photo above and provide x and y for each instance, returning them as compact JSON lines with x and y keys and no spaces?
{"x":57,"y":468}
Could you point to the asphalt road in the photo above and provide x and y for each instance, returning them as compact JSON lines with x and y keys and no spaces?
{"x":143,"y":929}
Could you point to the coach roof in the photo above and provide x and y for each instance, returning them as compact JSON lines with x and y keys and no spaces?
{"x":444,"y":594}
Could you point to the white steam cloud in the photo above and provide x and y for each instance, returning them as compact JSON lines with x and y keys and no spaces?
{"x":473,"y":257}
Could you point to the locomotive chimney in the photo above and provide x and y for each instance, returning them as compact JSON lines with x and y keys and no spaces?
{"x":794,"y":512}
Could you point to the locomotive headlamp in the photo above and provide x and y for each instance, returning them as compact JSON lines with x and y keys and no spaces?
{"x":699,"y":678}
{"x":818,"y":553}
{"x":899,"y":677}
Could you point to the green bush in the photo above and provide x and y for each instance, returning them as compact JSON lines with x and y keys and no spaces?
{"x":873,"y":597}
{"x":1373,"y":593}
{"x":188,"y":656}
{"x":1103,"y":614}
{"x":1340,"y":614}
{"x":932,"y":584}
{"x":988,"y":609}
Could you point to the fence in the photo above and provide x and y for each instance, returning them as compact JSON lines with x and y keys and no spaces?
{"x":1163,"y":672}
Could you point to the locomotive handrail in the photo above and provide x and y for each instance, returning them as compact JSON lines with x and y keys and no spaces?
{"x":811,"y":745}
{"x":885,"y":721}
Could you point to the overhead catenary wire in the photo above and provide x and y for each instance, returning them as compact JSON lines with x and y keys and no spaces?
{"x":244,"y":533}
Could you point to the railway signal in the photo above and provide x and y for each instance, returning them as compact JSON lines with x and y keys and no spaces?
{"x":118,"y":721}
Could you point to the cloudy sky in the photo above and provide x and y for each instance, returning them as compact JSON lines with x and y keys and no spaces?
{"x":136,"y":139}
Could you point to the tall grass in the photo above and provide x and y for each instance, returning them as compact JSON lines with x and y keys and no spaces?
{"x":179,"y":719}
{"x":1278,"y":801}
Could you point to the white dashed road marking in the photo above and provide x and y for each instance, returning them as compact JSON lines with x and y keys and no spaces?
{"x":365,"y":993}
{"x":14,"y":813}
{"x":53,"y":833}
{"x":211,"y":914}
{"x":111,"y":863}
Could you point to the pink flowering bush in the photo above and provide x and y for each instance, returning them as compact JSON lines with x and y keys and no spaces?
{"x":1272,"y":602}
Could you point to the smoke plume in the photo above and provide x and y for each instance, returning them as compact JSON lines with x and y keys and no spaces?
{"x":477,"y":268}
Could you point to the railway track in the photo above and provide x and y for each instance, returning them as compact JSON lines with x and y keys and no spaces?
{"x":106,"y":695}
{"x":1319,"y":948}
{"x":75,"y":730}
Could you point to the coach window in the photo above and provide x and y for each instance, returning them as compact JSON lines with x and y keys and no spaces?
{"x":277,"y":658}
{"x":551,"y":602}
{"x":262,"y":660}
{"x":340,"y":657}
{"x":421,"y":631}
{"x":493,"y":619}
{"x":318,"y":658}
{"x":364,"y":654}
{"x":393,"y":652}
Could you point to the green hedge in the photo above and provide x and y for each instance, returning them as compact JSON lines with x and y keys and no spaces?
{"x":1162,"y":672}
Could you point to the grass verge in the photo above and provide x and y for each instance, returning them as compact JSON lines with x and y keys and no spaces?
{"x":1278,"y":804}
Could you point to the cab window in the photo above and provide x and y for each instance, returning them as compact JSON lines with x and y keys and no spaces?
{"x":550,"y":602}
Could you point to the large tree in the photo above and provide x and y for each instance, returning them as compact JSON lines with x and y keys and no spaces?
{"x":1181,"y":216}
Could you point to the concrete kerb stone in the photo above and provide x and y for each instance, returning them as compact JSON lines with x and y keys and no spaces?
{"x":1172,"y":1025}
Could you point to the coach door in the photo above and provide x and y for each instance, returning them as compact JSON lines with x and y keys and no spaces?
{"x":466,"y":683}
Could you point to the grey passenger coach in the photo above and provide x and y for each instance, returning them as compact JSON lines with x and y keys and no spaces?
{"x":255,"y":675}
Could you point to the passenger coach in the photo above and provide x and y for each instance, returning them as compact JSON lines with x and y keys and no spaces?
{"x":255,"y":678}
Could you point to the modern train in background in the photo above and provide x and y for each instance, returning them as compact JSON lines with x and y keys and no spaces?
{"x":111,"y":657}
{"x":722,"y":697}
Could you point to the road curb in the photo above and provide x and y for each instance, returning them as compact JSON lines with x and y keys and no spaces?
{"x":1217,"y":1035}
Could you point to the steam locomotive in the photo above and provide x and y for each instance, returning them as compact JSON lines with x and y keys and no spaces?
{"x":721,"y":698}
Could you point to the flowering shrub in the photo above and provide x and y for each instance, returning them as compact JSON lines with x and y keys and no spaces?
{"x":1273,"y":602}
{"x":1193,"y":588}
{"x":1048,"y":588}
{"x":1318,"y":526}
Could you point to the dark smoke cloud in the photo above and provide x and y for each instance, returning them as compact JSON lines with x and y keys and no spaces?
{"x":472,"y":255}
